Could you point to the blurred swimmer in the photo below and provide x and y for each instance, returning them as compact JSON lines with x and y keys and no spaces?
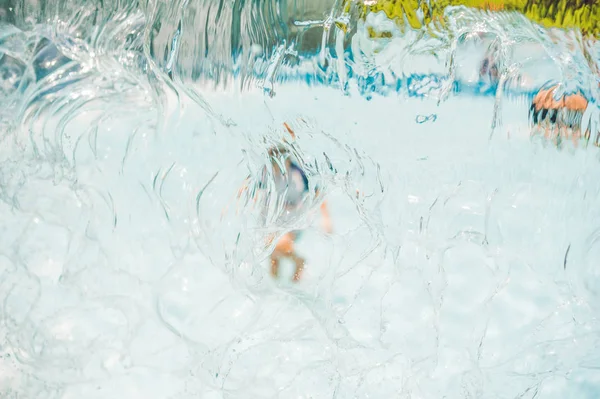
{"x":561,"y":116}
{"x":292,"y":184}
{"x":558,"y":117}
{"x":489,"y":70}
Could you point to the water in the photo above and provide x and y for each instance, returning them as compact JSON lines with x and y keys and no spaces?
{"x":463,"y":259}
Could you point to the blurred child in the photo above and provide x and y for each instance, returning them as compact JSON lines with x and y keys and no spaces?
{"x":292,"y":184}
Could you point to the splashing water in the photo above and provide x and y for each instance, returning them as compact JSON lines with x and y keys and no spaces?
{"x":464,"y":259}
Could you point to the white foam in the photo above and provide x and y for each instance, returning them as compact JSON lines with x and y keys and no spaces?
{"x":450,"y":281}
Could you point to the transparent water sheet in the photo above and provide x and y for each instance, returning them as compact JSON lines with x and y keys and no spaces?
{"x":462,"y":263}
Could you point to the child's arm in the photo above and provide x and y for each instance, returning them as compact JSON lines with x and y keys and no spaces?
{"x":244,"y":187}
{"x":326,"y":218}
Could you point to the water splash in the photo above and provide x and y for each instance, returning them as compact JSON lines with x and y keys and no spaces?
{"x":460,"y":265}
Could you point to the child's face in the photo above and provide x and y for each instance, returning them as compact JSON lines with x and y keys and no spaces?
{"x":277,"y":166}
{"x":277,"y":156}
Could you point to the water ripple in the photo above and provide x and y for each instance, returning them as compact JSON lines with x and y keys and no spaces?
{"x":139,"y":209}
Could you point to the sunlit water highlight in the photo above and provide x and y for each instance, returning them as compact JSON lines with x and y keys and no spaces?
{"x":464,"y":257}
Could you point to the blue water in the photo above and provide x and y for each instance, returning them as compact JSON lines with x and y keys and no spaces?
{"x":463,"y":258}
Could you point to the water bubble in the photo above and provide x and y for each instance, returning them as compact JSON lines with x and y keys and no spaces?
{"x":139,"y":214}
{"x":420,"y":119}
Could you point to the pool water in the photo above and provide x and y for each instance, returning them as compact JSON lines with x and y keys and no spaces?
{"x":462,"y":262}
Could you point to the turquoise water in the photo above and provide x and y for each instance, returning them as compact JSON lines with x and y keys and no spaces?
{"x":463,"y":258}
